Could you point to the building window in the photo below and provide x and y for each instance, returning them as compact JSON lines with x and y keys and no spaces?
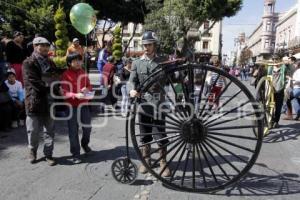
{"x":269,"y":26}
{"x":267,"y":43}
{"x":125,"y":43}
{"x":270,"y":8}
{"x":135,"y":44}
{"x":206,"y":25}
{"x":273,"y":43}
{"x":125,"y":28}
{"x":205,"y":45}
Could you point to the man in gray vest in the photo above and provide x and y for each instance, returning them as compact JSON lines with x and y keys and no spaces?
{"x":141,"y":70}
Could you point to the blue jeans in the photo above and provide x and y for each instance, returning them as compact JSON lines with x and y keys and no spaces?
{"x":80,"y":116}
{"x":296,"y":95}
{"x":125,"y":98}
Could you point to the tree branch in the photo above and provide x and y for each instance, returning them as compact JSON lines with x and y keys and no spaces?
{"x":133,"y":34}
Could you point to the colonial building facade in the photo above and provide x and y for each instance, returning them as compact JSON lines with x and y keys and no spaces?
{"x":208,"y":46}
{"x":261,"y":41}
{"x":288,"y":32}
{"x":277,"y":33}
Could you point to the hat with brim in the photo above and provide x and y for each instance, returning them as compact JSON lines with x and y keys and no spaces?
{"x":148,"y":42}
{"x":40,"y":40}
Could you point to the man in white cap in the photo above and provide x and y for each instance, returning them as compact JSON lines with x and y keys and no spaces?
{"x":75,"y":48}
{"x":35,"y":67}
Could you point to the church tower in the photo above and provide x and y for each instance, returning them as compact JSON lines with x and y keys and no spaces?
{"x":270,"y":18}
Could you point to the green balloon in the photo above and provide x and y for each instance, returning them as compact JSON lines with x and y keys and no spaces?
{"x":83,"y":18}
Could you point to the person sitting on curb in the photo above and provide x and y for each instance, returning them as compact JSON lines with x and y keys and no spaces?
{"x":17,"y":94}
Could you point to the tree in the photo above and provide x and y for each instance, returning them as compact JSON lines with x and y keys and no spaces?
{"x":182,"y":16}
{"x":32,"y":16}
{"x":165,"y":32}
{"x":120,"y":10}
{"x":246,"y":54}
{"x":61,"y":35}
{"x":28,"y":16}
{"x":61,"y":32}
{"x":117,"y":44}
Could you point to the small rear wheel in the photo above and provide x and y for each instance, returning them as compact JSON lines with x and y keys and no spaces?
{"x":124,"y":171}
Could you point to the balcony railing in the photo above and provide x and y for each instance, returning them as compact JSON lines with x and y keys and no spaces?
{"x":206,"y":51}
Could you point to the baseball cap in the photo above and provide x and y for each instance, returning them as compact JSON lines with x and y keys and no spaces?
{"x":11,"y":71}
{"x":75,"y":40}
{"x":40,"y":40}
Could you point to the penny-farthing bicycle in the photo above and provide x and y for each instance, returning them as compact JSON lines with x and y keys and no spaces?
{"x":213,"y":138}
{"x":265,"y":95}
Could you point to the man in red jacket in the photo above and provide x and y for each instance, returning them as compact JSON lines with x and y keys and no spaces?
{"x":76,"y":89}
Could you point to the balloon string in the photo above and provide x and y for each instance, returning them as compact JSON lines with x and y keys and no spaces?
{"x":85,"y":60}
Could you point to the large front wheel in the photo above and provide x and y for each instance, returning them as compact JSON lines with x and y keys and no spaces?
{"x":206,"y":122}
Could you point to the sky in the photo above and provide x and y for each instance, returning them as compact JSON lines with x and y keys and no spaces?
{"x":248,"y":19}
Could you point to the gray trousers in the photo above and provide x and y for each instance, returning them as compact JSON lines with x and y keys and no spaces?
{"x":37,"y":124}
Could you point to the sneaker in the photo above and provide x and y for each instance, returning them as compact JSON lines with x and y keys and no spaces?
{"x":14,"y":124}
{"x":32,"y":156}
{"x":75,"y":160}
{"x":86,"y":149}
{"x":22,"y":122}
{"x":50,"y":160}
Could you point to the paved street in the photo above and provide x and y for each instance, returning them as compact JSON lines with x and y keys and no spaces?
{"x":275,"y":175}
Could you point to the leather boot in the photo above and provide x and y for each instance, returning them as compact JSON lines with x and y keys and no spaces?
{"x":146,"y":154}
{"x":289,"y":115}
{"x":163,"y":163}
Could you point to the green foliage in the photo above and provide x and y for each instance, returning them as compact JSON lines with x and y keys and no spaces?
{"x":31,"y":16}
{"x":60,"y":62}
{"x":175,"y":18}
{"x":61,"y":33}
{"x":117,"y":54}
{"x":117,"y":43}
{"x":28,"y":16}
